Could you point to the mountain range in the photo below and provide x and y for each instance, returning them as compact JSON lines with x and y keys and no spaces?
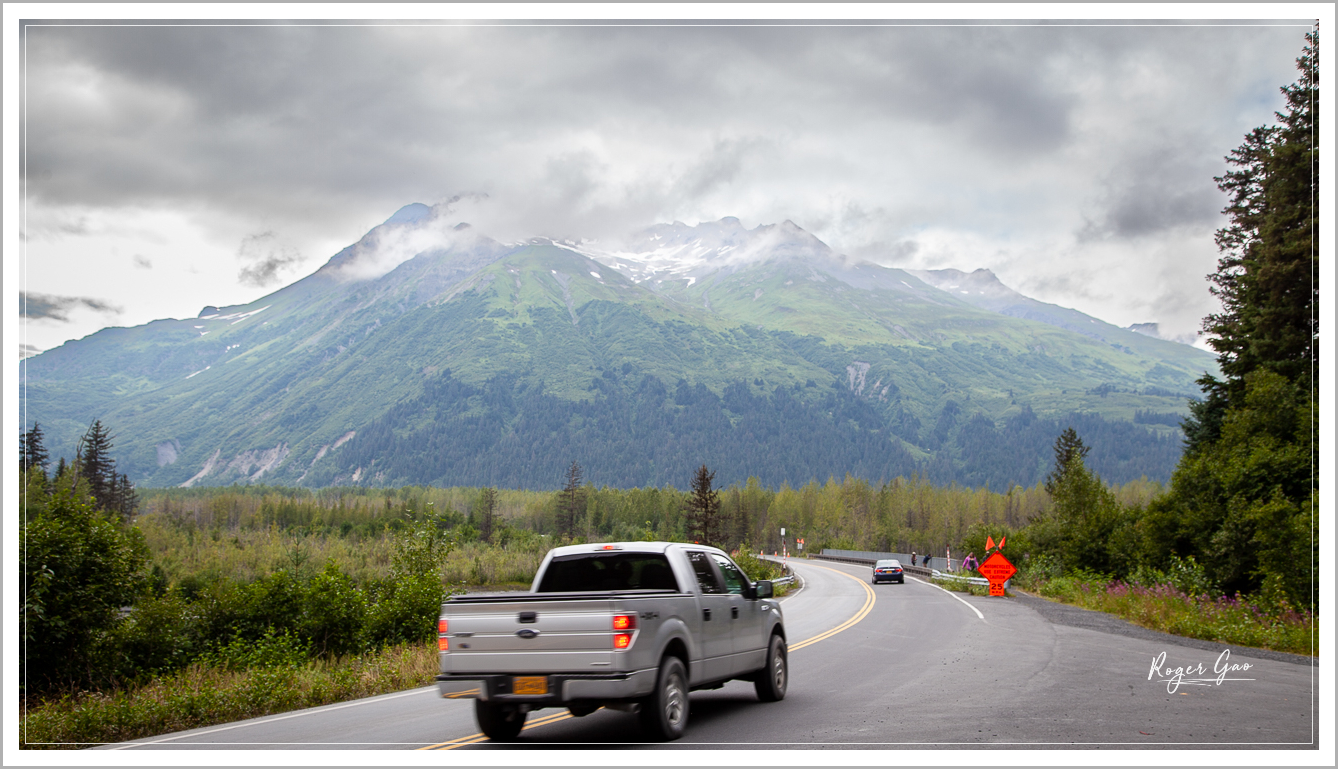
{"x":430,"y":353}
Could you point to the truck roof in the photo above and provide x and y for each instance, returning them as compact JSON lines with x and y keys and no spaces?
{"x":630,"y":547}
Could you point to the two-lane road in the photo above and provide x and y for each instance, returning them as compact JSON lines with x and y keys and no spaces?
{"x":882,"y":666}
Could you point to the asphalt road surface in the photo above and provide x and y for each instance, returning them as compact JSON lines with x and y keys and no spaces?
{"x":889,"y":666}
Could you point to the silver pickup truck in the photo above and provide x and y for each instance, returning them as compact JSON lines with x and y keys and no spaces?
{"x":631,"y":626}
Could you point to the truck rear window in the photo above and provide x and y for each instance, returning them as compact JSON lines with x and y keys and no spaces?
{"x":585,"y":572}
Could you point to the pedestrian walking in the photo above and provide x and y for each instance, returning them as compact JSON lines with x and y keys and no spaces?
{"x":969,"y":562}
{"x":912,"y":557}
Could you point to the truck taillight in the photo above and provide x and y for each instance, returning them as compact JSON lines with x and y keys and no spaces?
{"x":623,"y":622}
{"x":442,"y":643}
{"x":441,"y":626}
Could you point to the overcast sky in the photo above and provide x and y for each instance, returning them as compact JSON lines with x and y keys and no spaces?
{"x":171,"y":167}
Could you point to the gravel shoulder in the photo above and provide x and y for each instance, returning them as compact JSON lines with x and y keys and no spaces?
{"x":1064,"y":614}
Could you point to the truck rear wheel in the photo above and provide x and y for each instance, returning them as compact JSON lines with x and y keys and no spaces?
{"x":498,"y":722}
{"x":771,"y":680}
{"x":664,"y":714}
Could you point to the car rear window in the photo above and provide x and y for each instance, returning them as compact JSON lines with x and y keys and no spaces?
{"x":587,"y":572}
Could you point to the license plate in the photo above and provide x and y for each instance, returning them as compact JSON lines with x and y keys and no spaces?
{"x":529,"y":685}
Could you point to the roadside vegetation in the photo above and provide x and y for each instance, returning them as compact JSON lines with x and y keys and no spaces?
{"x":1153,"y":601}
{"x":270,"y":677}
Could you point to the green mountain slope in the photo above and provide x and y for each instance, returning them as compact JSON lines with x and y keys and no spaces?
{"x":474,"y":362}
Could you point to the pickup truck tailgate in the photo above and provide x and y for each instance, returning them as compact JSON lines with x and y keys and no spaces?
{"x":530,"y":636}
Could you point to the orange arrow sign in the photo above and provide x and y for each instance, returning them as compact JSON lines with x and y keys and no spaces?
{"x":997,"y":570}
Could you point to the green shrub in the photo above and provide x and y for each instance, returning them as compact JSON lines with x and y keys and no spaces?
{"x":757,"y":568}
{"x":334,"y":612}
{"x":161,"y":634}
{"x":274,"y":649}
{"x":79,"y":569}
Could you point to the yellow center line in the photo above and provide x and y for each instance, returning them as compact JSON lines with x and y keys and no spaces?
{"x":859,"y":615}
{"x":473,"y":738}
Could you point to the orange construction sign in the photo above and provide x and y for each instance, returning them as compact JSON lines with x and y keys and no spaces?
{"x":997,"y":570}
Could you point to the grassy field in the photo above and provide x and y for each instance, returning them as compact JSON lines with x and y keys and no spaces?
{"x":204,"y":694}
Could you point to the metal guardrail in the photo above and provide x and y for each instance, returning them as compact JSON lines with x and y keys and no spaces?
{"x":788,"y":579}
{"x":968,"y":580}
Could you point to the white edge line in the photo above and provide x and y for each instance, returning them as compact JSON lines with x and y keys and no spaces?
{"x":304,"y":712}
{"x":803,"y":584}
{"x":949,"y":592}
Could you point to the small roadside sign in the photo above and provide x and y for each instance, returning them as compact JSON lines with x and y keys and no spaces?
{"x":997,"y":570}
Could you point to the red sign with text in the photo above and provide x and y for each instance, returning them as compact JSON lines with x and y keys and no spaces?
{"x":997,"y":570}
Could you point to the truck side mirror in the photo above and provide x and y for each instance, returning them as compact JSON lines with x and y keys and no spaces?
{"x":763,"y":588}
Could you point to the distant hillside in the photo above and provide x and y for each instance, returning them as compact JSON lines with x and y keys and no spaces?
{"x":429,"y":353}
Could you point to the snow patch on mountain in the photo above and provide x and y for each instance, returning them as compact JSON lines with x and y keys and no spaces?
{"x":682,"y":252}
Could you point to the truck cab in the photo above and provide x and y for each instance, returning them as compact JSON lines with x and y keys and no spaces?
{"x":632,"y":626}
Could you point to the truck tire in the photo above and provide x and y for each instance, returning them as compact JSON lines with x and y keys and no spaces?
{"x":498,"y":722}
{"x":771,"y":681}
{"x":664,"y":714}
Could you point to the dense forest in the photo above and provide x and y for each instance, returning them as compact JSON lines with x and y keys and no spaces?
{"x":508,"y":434}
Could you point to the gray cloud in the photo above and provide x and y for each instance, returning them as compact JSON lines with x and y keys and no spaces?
{"x":267,"y":257}
{"x":1152,"y":190}
{"x":142,"y":262}
{"x":35,"y":306}
{"x":1029,"y":137}
{"x":310,"y":123}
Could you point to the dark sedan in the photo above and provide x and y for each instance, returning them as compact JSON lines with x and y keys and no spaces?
{"x":888,"y":571}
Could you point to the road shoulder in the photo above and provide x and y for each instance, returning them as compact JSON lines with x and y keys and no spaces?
{"x":1064,"y":614}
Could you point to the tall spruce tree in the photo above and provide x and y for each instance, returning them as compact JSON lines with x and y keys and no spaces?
{"x":704,"y":525}
{"x":1242,"y":499}
{"x":125,"y":498}
{"x":94,"y":463}
{"x":1070,"y":452}
{"x":487,"y":508}
{"x":1267,"y":275}
{"x":32,"y":452}
{"x":570,"y":501}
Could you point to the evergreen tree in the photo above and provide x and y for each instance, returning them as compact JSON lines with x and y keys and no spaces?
{"x":32,"y":453}
{"x":1266,"y":275}
{"x":126,"y":499}
{"x":570,"y":501}
{"x":487,"y":507}
{"x":1069,"y":455}
{"x":704,"y":524}
{"x":1086,"y":527}
{"x":1244,"y":493}
{"x":94,"y":464}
